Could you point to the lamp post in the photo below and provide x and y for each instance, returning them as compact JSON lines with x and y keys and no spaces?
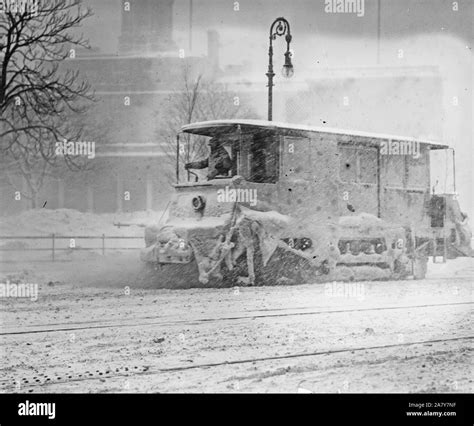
{"x":279,"y":27}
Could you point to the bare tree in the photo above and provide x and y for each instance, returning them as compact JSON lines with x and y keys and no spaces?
{"x":35,"y":94}
{"x":25,"y":164}
{"x":39,"y":97}
{"x":31,"y":161}
{"x":198,"y":98}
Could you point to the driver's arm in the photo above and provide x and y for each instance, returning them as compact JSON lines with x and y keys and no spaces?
{"x":212,"y":174}
{"x":202,"y":164}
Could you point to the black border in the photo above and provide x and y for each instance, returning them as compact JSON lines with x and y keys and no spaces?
{"x":306,"y":409}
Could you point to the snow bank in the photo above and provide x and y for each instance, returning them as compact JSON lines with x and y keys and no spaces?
{"x":67,"y":222}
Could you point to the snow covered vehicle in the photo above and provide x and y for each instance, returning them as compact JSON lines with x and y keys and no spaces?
{"x":298,"y":204}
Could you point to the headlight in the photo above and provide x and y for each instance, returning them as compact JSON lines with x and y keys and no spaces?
{"x":198,"y":203}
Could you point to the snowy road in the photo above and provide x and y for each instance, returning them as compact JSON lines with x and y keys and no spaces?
{"x":407,"y":336}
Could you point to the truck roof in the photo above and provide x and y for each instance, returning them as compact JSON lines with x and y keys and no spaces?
{"x":219,"y":127}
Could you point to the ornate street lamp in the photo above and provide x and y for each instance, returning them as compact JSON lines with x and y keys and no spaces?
{"x":279,"y":27}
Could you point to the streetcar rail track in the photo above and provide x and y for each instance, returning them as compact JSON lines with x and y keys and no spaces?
{"x":46,"y":328}
{"x":147,"y":370}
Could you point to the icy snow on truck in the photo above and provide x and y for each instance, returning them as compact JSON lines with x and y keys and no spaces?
{"x":274,"y":203}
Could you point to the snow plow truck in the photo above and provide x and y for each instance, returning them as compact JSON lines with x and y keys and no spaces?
{"x":301,"y":204}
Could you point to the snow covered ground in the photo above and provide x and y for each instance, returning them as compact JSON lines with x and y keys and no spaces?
{"x":97,"y":326}
{"x":96,"y":329}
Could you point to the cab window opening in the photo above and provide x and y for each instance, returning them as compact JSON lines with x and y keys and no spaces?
{"x":255,"y":157}
{"x":264,"y":158}
{"x":209,"y":158}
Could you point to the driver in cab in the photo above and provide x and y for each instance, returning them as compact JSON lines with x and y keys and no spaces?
{"x":218,"y":162}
